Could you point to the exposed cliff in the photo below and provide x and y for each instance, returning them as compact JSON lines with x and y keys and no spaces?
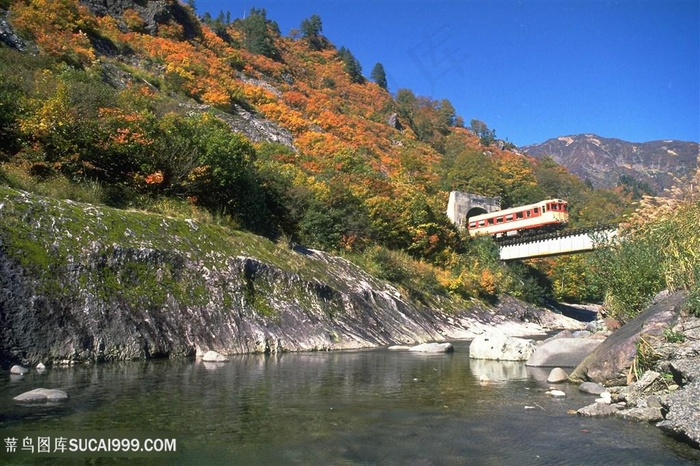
{"x":86,"y":283}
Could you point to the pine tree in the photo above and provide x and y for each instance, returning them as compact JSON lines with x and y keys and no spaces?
{"x":259,"y":33}
{"x":352,"y":65}
{"x":311,"y":29}
{"x":379,"y":76}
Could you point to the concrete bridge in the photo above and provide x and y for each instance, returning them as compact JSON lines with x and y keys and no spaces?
{"x":552,"y":244}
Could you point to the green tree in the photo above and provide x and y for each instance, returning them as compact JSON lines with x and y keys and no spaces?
{"x":486,"y":136}
{"x":311,"y":29}
{"x":447,"y":113}
{"x":378,"y":75}
{"x":259,"y":33}
{"x":352,"y":65}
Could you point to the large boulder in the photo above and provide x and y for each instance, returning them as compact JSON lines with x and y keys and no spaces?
{"x":562,"y":352}
{"x":433,"y":348}
{"x":500,"y":347}
{"x":610,"y":362}
{"x":42,"y":395}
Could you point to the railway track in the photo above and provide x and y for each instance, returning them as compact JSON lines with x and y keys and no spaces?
{"x":554,"y":234}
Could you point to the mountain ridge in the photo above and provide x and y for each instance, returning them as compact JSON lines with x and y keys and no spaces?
{"x":603,"y":161}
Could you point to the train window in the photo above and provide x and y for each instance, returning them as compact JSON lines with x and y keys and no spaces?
{"x":472,"y":224}
{"x":499,"y":220}
{"x":490,"y":221}
{"x":509,"y":218}
{"x":537,"y":210}
{"x":482,"y":223}
{"x":528,"y":213}
{"x":518,"y":215}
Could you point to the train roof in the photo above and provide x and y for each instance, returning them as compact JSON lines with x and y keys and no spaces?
{"x":513,"y":210}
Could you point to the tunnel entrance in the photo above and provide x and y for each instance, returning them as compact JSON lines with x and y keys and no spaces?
{"x":462,"y":206}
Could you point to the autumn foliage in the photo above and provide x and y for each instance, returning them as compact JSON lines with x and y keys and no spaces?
{"x":142,"y":112}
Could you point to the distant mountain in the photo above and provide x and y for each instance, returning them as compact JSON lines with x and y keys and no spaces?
{"x":603,"y":161}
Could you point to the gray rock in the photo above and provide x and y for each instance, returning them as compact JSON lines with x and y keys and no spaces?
{"x":653,"y":401}
{"x":213,"y":356}
{"x":647,"y":414}
{"x":581,"y":334}
{"x":650,"y":382}
{"x":591,"y":388}
{"x":433,"y":348}
{"x":40,"y":367}
{"x":499,"y":347}
{"x":42,"y":395}
{"x":18,"y":370}
{"x":562,"y":352}
{"x":557,"y":375}
{"x":597,"y":410}
{"x":682,"y":420}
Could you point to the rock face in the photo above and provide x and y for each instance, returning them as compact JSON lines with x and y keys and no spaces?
{"x":500,"y":347}
{"x":86,"y":283}
{"x":682,"y":419}
{"x":153,"y":14}
{"x":9,"y":37}
{"x":564,"y":352}
{"x":610,"y":362}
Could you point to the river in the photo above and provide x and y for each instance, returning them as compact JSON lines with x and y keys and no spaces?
{"x":354,"y":407}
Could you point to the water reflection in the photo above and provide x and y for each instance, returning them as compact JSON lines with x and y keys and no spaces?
{"x":370,"y":407}
{"x":498,"y":371}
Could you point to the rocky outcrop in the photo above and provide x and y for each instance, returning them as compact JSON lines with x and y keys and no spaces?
{"x":611,"y":361}
{"x":86,"y":283}
{"x":153,"y":13}
{"x":667,"y":393}
{"x":9,"y":37}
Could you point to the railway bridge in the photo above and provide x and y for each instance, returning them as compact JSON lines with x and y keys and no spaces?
{"x":552,"y":244}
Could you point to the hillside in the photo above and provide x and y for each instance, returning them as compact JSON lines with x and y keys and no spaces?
{"x":104,"y":284}
{"x":603,"y":161}
{"x":144,"y":105}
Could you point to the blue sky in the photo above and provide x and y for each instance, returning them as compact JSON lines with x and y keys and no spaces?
{"x":531,"y":70}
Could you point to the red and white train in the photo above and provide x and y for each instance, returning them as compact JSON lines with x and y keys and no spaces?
{"x":550,"y":214}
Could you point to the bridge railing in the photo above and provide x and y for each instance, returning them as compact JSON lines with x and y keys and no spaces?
{"x":557,"y":243}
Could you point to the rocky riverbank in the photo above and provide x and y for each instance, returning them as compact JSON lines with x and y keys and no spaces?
{"x":81,"y":283}
{"x":651,"y":369}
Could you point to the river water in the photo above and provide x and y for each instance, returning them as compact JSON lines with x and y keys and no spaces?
{"x":357,"y":407}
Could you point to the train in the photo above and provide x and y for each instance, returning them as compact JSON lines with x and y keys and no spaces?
{"x":547,"y":215}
